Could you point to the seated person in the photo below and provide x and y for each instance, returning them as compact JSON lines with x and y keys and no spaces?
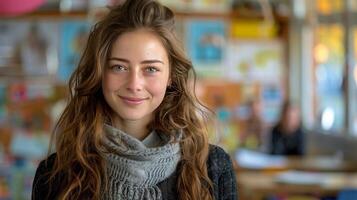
{"x":287,"y":137}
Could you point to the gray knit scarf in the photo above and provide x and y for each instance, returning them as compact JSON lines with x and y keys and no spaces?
{"x":133,"y":169}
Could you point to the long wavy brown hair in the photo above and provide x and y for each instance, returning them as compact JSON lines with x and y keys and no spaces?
{"x":79,"y":132}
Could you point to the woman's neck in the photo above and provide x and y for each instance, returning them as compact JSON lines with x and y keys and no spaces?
{"x":137,"y":129}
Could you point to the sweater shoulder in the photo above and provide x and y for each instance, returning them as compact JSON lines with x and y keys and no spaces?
{"x":47,"y":163}
{"x":222,"y":174}
{"x":40,"y":186}
{"x":218,"y":160}
{"x":45,"y":166}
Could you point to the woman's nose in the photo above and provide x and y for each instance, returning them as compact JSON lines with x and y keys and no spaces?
{"x":135,"y":81}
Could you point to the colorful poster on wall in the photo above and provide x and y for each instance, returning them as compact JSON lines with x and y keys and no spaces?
{"x":74,"y":36}
{"x":10,"y":36}
{"x":251,"y":60}
{"x":272,"y":97}
{"x":39,"y":49}
{"x":205,"y":42}
{"x":223,"y":98}
{"x":28,"y":48}
{"x":253,"y":29}
{"x":17,"y":92}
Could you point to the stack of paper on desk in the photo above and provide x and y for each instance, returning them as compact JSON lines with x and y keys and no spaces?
{"x":257,"y":160}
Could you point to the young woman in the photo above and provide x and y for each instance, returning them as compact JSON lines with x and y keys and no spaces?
{"x":133,"y":128}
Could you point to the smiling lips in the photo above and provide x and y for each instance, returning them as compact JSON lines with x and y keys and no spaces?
{"x":132,"y":100}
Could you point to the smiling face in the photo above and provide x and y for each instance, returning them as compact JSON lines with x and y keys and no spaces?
{"x":135,"y":81}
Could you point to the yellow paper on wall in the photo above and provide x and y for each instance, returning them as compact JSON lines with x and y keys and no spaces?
{"x":253,"y":29}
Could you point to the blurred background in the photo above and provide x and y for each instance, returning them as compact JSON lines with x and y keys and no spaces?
{"x":280,"y":75}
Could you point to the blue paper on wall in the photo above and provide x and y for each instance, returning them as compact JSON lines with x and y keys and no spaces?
{"x":73,"y":40}
{"x":205,"y":44}
{"x":205,"y":40}
{"x":29,"y":147}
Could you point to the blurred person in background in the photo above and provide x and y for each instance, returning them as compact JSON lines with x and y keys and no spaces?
{"x":133,"y":128}
{"x":287,"y":137}
{"x":254,"y":126}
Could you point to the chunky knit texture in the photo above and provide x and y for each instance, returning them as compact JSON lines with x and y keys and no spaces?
{"x":134,"y":169}
{"x":219,"y":166}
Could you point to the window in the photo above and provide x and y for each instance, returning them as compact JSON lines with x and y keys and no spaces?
{"x":329,"y":77}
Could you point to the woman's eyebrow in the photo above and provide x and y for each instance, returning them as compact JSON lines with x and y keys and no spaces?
{"x":119,"y":59}
{"x":142,"y":62}
{"x":152,"y":61}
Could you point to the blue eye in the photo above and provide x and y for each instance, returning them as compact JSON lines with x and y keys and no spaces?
{"x":151,"y":69}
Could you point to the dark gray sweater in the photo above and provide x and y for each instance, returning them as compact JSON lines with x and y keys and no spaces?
{"x":220,"y":171}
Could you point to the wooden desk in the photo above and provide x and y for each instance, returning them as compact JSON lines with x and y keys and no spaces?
{"x":321,"y":164}
{"x":257,"y":185}
{"x":247,"y":160}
